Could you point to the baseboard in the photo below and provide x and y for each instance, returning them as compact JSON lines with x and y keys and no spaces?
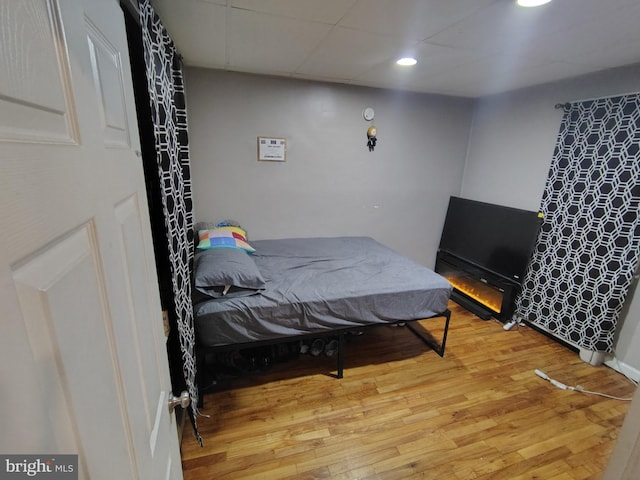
{"x":623,"y":368}
{"x":592,"y":357}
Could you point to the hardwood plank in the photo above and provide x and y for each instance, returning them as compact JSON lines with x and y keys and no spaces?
{"x":401,"y":411}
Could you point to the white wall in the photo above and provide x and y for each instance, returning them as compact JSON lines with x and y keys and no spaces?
{"x":510,"y":150}
{"x":330,"y":184}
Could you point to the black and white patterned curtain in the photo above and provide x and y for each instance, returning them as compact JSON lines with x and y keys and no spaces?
{"x":588,"y":246}
{"x":168,"y":111}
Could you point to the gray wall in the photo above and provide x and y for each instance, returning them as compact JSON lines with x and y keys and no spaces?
{"x":510,"y":149}
{"x":513,"y":136}
{"x":330,"y":183}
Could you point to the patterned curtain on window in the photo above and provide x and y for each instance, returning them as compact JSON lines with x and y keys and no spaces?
{"x":168,"y":111}
{"x":588,"y":247}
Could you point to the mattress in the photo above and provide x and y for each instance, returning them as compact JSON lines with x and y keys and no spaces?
{"x":315,"y":285}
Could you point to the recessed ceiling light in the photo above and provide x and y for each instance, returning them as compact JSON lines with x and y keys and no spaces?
{"x":532,"y":3}
{"x":407,"y":61}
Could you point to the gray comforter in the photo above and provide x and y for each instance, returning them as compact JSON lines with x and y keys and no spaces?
{"x":321,"y":284}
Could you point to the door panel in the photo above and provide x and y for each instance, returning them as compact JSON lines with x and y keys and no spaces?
{"x":64,"y":338}
{"x":137,"y":356}
{"x":108,"y":80}
{"x":83,"y":365}
{"x":34,"y":107}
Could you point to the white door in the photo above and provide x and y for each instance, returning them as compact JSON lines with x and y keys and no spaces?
{"x":83,"y":366}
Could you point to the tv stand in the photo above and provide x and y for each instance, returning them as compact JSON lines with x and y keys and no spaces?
{"x":477,"y":289}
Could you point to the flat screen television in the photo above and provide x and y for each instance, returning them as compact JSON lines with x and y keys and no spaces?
{"x":497,"y":238}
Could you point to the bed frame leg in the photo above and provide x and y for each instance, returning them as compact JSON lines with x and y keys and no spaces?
{"x":340,"y":354}
{"x":439,"y":349}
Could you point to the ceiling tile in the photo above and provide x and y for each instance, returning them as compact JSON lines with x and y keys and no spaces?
{"x":507,"y":28}
{"x":270,"y":44}
{"x":587,"y":41}
{"x":499,"y":28}
{"x":499,"y":73}
{"x":411,"y":19}
{"x":198,"y":30}
{"x":463,"y":47}
{"x":611,"y":56}
{"x":217,"y":2}
{"x":433,"y":60}
{"x":346,"y":53}
{"x":326,"y":11}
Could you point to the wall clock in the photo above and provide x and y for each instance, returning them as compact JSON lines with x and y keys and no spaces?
{"x":368,"y":114}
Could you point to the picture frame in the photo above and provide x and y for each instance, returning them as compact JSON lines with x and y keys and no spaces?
{"x":272,"y":149}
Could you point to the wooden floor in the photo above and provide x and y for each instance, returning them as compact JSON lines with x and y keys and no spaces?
{"x":403,"y":412}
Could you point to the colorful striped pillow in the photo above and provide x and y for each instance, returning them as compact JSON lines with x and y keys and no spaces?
{"x":224,"y":237}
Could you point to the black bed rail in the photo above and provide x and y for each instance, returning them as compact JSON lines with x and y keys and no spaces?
{"x":427,"y":339}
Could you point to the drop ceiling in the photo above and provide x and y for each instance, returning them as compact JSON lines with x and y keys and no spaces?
{"x":469,"y":48}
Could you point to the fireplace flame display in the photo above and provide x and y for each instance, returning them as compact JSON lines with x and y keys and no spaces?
{"x":481,"y":293}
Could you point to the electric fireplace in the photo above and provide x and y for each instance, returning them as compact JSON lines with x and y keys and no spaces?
{"x":476,"y":289}
{"x":483,"y":252}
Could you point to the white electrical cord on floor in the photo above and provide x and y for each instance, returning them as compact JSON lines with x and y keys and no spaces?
{"x":577,"y":388}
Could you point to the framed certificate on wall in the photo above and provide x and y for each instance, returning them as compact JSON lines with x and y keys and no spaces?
{"x":272,"y":149}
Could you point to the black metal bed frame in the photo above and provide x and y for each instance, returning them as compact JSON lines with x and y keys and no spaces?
{"x":202,"y":351}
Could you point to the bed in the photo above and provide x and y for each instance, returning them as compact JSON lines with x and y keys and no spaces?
{"x":287,"y":289}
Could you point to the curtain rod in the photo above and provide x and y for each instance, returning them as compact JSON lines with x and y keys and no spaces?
{"x":568,"y":104}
